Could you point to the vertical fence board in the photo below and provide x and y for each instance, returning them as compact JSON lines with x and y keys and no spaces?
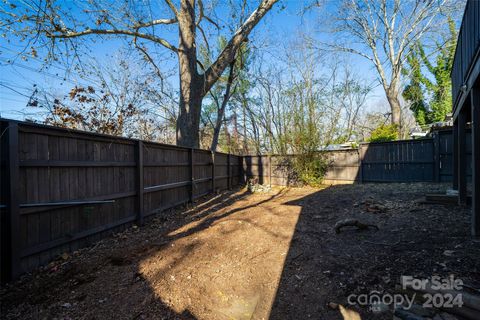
{"x":10,"y":260}
{"x":213,"y":171}
{"x":191,"y":160}
{"x":140,"y":187}
{"x":462,"y":158}
{"x":229,"y":182}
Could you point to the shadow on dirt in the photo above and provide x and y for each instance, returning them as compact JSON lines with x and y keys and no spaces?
{"x":413,"y":237}
{"x":276,"y":256}
{"x":107,"y":280}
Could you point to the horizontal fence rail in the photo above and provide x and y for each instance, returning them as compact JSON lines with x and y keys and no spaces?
{"x":65,"y":189}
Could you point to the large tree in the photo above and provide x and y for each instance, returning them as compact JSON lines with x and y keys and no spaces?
{"x":429,"y":90}
{"x":62,"y":27}
{"x":383,"y":31}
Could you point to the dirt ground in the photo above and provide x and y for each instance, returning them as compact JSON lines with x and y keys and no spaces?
{"x":269,"y":255}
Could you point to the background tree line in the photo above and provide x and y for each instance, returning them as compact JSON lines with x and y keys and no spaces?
{"x":238,"y":93}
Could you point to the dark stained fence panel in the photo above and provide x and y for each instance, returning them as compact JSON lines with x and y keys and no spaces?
{"x":446,"y":155}
{"x":74,"y":187}
{"x":343,"y":167}
{"x":221,"y":171}
{"x":236,"y":169}
{"x":258,"y":167}
{"x":398,"y":161}
{"x":202,"y":173}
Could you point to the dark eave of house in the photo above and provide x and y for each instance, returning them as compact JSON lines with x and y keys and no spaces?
{"x":466,"y":63}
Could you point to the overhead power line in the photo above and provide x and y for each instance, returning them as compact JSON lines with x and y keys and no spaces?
{"x":14,"y":90}
{"x":56,"y":76}
{"x":53,"y":66}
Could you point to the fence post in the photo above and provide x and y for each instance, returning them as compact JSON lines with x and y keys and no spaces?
{"x":462,"y":158}
{"x":270,"y":170}
{"x":475,"y":109}
{"x":192,"y":178}
{"x":241,"y":173}
{"x":455,"y":156}
{"x":436,"y":157}
{"x":140,"y":187}
{"x":213,"y":171}
{"x":361,"y":155}
{"x":10,"y":222}
{"x":229,"y":183}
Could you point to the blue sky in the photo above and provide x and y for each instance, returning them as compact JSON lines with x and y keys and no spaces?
{"x":283,"y":24}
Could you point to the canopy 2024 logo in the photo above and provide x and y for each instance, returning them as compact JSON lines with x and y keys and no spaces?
{"x":435,"y":292}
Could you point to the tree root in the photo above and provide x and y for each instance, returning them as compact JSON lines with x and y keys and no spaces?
{"x":352,"y":223}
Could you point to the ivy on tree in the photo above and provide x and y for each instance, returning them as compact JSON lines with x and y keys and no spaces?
{"x":429,"y":87}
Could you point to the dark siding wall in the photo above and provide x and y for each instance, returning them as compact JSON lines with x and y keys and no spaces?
{"x":468,"y":46}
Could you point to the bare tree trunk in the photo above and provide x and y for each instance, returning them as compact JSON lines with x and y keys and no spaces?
{"x":392,"y":97}
{"x":227,"y":135}
{"x":244,"y":113}
{"x":221,"y":110}
{"x":193,"y":87}
{"x":188,"y":122}
{"x":235,"y":129}
{"x":191,"y":84}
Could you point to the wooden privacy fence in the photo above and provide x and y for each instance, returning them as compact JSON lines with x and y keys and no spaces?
{"x":273,"y":169}
{"x":63,"y":189}
{"x":445,"y":154}
{"x":398,"y":161}
{"x":428,"y":160}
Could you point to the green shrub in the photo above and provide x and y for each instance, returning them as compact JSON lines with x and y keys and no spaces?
{"x":304,"y":169}
{"x":311,"y":168}
{"x":383,"y":133}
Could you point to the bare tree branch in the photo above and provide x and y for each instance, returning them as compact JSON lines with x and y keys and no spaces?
{"x":154,"y":23}
{"x":75,"y":34}
{"x":227,"y":55}
{"x":172,"y":7}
